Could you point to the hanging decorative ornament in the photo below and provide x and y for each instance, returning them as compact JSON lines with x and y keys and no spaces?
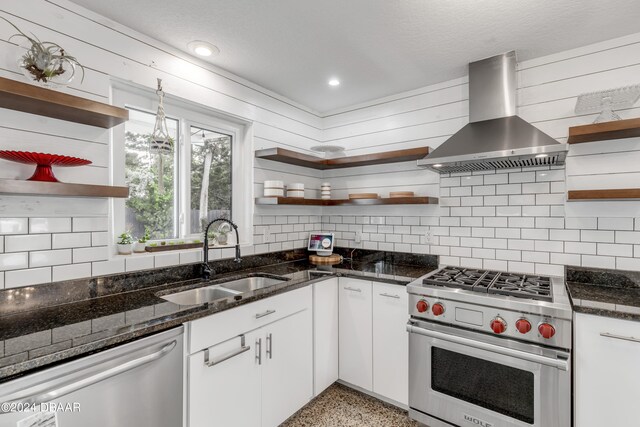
{"x":160,"y":143}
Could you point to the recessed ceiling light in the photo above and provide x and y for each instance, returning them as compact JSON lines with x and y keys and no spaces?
{"x":539,"y":156}
{"x":437,"y":165}
{"x":334,"y":82}
{"x":201,"y":48}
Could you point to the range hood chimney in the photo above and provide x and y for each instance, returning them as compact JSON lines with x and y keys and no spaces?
{"x":495,"y":137}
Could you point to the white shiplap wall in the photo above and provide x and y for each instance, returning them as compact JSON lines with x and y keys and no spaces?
{"x":44,"y":239}
{"x":515,"y":220}
{"x":426,"y":116}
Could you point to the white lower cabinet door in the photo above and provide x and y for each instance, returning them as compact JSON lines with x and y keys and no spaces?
{"x":390,"y":342}
{"x":325,"y":334}
{"x":225,"y":392}
{"x":355,"y":333}
{"x":607,"y":371}
{"x":287,"y":367}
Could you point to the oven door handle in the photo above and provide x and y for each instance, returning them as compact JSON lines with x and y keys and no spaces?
{"x":560,"y":364}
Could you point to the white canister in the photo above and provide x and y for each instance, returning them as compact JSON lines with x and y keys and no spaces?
{"x":298,"y":194}
{"x":273,"y":189}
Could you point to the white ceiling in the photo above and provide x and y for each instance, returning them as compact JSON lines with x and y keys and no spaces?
{"x":375,"y":47}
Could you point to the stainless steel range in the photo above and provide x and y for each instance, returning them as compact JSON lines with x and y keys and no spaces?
{"x":490,"y":349}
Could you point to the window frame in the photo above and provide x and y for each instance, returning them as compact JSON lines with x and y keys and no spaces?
{"x":188,"y":114}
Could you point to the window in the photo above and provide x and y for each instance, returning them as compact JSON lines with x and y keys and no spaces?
{"x":152,"y":179}
{"x":210,"y":177}
{"x":204,"y":139}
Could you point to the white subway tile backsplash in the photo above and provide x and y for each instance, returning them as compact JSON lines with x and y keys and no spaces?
{"x":81,"y":224}
{"x":598,"y":261}
{"x":472,"y":180}
{"x":139,"y":262}
{"x":71,"y":271}
{"x":615,"y":249}
{"x":632,"y":237}
{"x":99,"y":253}
{"x":14,"y":225}
{"x":615,"y":223}
{"x":49,"y":225}
{"x":536,"y":187}
{"x":509,"y":210}
{"x":102,"y":268}
{"x":27,"y":242}
{"x":14,"y":261}
{"x":580,"y":248}
{"x":32,"y":276}
{"x":70,"y":240}
{"x":499,"y":178}
{"x":581,"y":223}
{"x":522,"y":267}
{"x":48,"y":258}
{"x":598,"y":236}
{"x":518,"y":177}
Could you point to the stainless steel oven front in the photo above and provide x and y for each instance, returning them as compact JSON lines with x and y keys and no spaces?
{"x":465,"y":378}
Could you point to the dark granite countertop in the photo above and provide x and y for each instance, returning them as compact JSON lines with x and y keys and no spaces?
{"x":611,"y":293}
{"x":41,"y":326}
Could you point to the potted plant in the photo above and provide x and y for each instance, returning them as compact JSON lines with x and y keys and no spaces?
{"x":46,"y":62}
{"x":223,"y":234}
{"x":141,"y":244}
{"x":124,"y":244}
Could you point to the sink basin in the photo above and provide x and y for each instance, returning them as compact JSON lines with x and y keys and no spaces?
{"x":249,"y":284}
{"x":223,"y":290}
{"x":200,"y":295}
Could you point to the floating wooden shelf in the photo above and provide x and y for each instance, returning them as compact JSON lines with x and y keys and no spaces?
{"x":40,"y":188}
{"x":346,"y":202}
{"x":32,"y":99}
{"x":603,"y":131}
{"x":300,"y":159}
{"x":613,"y":194}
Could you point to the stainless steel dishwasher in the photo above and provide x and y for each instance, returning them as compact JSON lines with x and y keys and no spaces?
{"x":137,"y":384}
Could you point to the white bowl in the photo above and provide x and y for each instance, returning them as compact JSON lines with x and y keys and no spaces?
{"x":273,"y":192}
{"x":323,"y":197}
{"x":295,"y":186}
{"x":298,"y":194}
{"x":273,"y":184}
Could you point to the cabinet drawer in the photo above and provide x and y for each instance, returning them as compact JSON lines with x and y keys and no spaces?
{"x":222,"y":326}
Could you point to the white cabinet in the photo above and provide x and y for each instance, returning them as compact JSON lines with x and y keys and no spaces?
{"x":355,"y":335}
{"x":221,"y":395}
{"x":325,"y":334}
{"x":607,"y":371}
{"x":258,"y":382}
{"x":287,"y":370}
{"x":390,"y":342}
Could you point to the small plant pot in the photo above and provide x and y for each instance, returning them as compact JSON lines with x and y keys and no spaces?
{"x":222,"y":239}
{"x":124,"y":249}
{"x":139,"y":247}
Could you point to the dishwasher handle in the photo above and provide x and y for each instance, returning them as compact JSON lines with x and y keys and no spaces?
{"x":58,"y":392}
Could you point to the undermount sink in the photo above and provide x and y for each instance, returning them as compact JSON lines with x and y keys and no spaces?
{"x":200,"y":295}
{"x":249,"y":284}
{"x":223,"y":290}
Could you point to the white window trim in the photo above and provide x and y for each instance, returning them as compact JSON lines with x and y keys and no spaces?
{"x":127,"y":94}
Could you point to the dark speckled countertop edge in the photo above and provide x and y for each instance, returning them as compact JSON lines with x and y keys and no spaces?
{"x":133,"y":332}
{"x":604,"y":292}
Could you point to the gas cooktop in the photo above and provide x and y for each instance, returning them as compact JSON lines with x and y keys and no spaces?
{"x":493,"y":282}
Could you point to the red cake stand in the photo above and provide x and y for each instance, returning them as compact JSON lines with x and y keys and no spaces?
{"x":43,"y":161}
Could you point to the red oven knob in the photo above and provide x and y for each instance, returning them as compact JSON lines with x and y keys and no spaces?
{"x":546,"y":330}
{"x":422,"y":306}
{"x":523,"y":326}
{"x":498,"y":325}
{"x":437,"y":309}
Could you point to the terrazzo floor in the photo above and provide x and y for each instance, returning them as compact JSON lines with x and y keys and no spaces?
{"x":340,"y":406}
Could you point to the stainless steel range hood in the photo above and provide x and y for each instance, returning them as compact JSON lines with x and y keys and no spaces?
{"x":495,"y":137}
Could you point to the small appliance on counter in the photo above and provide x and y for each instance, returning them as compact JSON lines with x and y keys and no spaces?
{"x":322,"y":245}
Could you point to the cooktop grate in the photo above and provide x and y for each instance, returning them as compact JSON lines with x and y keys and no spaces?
{"x":493,"y":282}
